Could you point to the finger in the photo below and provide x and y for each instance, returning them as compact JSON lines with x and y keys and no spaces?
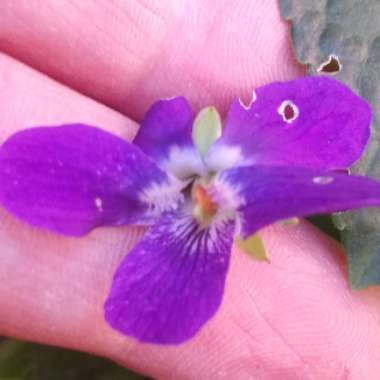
{"x":43,"y":295}
{"x":129,"y":53}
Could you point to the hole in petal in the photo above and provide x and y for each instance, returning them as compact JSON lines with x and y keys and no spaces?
{"x":323,"y":180}
{"x":331,"y":66}
{"x":288,"y":110}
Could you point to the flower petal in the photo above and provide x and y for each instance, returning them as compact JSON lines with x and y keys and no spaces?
{"x":314,"y":122}
{"x":166,"y":136}
{"x":172,"y":282}
{"x":73,"y":178}
{"x":265,"y":194}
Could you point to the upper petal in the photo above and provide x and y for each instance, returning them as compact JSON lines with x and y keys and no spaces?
{"x":314,"y":122}
{"x":172,"y":282}
{"x":165,"y":135}
{"x":73,"y":178}
{"x":264,"y":195}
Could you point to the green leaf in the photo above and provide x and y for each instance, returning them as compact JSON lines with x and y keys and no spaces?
{"x":342,"y":38}
{"x":325,"y":224}
{"x":27,"y":361}
{"x":206,"y":129}
{"x":253,"y":246}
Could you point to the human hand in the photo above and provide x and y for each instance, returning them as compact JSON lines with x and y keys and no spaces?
{"x":293,"y":318}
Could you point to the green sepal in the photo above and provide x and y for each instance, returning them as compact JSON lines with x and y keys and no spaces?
{"x":207,"y":128}
{"x":253,"y":246}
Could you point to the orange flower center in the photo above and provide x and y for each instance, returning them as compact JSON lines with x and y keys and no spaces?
{"x":204,"y":207}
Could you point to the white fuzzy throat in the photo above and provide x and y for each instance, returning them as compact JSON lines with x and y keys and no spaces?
{"x":183,"y":162}
{"x":223,"y":157}
{"x":160,"y":197}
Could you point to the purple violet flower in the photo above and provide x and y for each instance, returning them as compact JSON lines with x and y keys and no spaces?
{"x":196,"y":187}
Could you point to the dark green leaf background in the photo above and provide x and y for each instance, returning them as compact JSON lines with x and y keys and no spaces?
{"x":349,"y":29}
{"x":27,"y":361}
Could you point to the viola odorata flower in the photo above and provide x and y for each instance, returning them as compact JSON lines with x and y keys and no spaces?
{"x":197,"y":183}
